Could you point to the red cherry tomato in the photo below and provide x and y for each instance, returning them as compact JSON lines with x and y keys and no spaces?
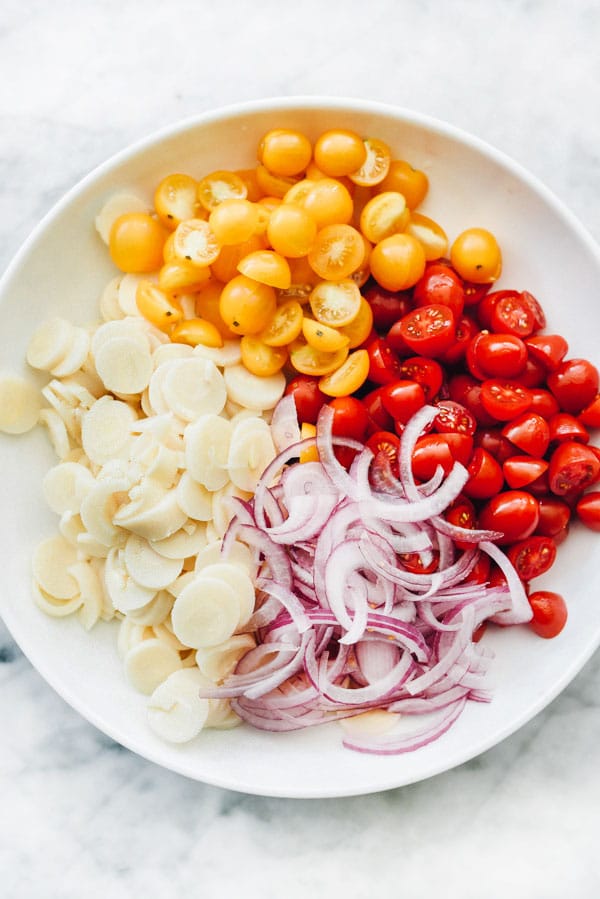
{"x":471,"y":357}
{"x":504,"y":400}
{"x":413,"y":562}
{"x":440,"y":449}
{"x":573,"y":467}
{"x":462,"y":514}
{"x":532,"y":557}
{"x":549,"y":613}
{"x":440,"y":284}
{"x":396,"y":340}
{"x":533,"y":375}
{"x":554,"y":516}
{"x":590,"y":416}
{"x":539,"y":316}
{"x":488,"y":303}
{"x":520,"y":471}
{"x":588,"y":509}
{"x":549,"y":349}
{"x":475,"y":293}
{"x":529,"y":432}
{"x":402,"y":399}
{"x":307,"y":396}
{"x":513,"y":315}
{"x":491,"y":439}
{"x":480,"y":574}
{"x":454,"y":418}
{"x":486,"y":478}
{"x":466,"y":329}
{"x":387,"y":306}
{"x":384,"y":365}
{"x":388,"y":444}
{"x":379,"y":417}
{"x":350,"y":418}
{"x":426,"y":372}
{"x":514,"y":513}
{"x":466,"y":390}
{"x":574,"y":384}
{"x":543,"y":402}
{"x":564,"y":426}
{"x":428,"y":330}
{"x":500,"y":355}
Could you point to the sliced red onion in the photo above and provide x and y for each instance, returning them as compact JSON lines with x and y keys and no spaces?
{"x":284,"y":424}
{"x":376,"y":658}
{"x":289,"y":601}
{"x":386,"y":744}
{"x":521,"y":611}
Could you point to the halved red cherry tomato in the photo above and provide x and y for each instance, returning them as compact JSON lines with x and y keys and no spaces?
{"x":543,"y":402}
{"x":384,"y":364}
{"x":533,"y":375}
{"x":350,"y":418}
{"x":521,"y":471}
{"x":402,"y":399}
{"x":549,"y":613}
{"x":564,"y":426}
{"x":480,"y":574}
{"x":471,"y":357}
{"x":413,"y":562}
{"x":514,"y":513}
{"x":573,"y":467}
{"x":426,"y":372}
{"x":513,"y":315}
{"x":549,"y":349}
{"x":475,"y":293}
{"x":574,"y":384}
{"x":428,"y":330}
{"x":555,"y":515}
{"x":466,"y":329}
{"x":492,"y":440}
{"x":588,"y":510}
{"x":387,"y":306}
{"x":440,"y":449}
{"x":539,"y":316}
{"x":379,"y":418}
{"x":590,"y":416}
{"x":454,"y":418}
{"x":488,"y":303}
{"x":307,"y":396}
{"x":466,"y":390}
{"x":486,"y":478}
{"x":387,"y":443}
{"x":529,"y":432}
{"x":532,"y":557}
{"x":504,"y":400}
{"x":462,"y":514}
{"x":440,"y":284}
{"x":500,"y":355}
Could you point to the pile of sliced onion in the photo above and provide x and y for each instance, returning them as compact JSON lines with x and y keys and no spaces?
{"x":343,"y":627}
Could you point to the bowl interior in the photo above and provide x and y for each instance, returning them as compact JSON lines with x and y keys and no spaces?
{"x":61,"y":271}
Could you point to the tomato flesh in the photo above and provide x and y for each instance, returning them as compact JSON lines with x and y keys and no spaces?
{"x":573,"y":467}
{"x":428,"y":330}
{"x":532,"y":557}
{"x":549,"y":613}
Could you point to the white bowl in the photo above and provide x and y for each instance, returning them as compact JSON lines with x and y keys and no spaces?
{"x":61,"y":270}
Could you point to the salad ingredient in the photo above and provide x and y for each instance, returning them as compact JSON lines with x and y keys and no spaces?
{"x":476,"y":256}
{"x":588,"y":510}
{"x":136,"y":242}
{"x":549,"y":613}
{"x":20,"y":404}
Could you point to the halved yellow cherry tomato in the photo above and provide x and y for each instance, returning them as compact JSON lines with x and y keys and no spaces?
{"x":312,"y":453}
{"x":299,"y":191}
{"x":246,"y":306}
{"x":328,"y":202}
{"x":253,"y":191}
{"x":260,"y":359}
{"x":359,"y":329}
{"x":351,"y":375}
{"x":195,"y":242}
{"x":196,"y":331}
{"x":338,"y":250}
{"x":291,"y":230}
{"x":339,"y":152}
{"x":384,"y":214}
{"x":175,"y":199}
{"x":304,"y":279}
{"x":273,"y":185}
{"x":225,"y":266}
{"x":309,"y":361}
{"x":168,"y":251}
{"x":219,"y":186}
{"x":376,"y":165}
{"x":136,"y":242}
{"x":322,"y":337}
{"x":267,"y":267}
{"x":397,"y":262}
{"x":182,"y":274}
{"x":335,"y":303}
{"x":361,"y":274}
{"x":208,"y":308}
{"x":284,"y":151}
{"x":234,"y":221}
{"x":285,"y":326}
{"x":413,"y":184}
{"x":156,"y":306}
{"x":430,"y":234}
{"x":476,"y":256}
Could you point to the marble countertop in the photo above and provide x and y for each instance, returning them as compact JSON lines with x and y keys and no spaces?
{"x":83,"y":817}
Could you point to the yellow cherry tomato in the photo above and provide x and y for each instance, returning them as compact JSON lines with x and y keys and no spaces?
{"x":359,"y":329}
{"x":361,"y":274}
{"x":234,"y":221}
{"x":476,"y":256}
{"x":285,"y":326}
{"x":168,"y":251}
{"x":208,"y":308}
{"x":225,"y":266}
{"x":323,"y":338}
{"x":335,"y":303}
{"x":182,"y":274}
{"x":397,"y":262}
{"x":338,"y":251}
{"x":308,"y":361}
{"x":246,"y":306}
{"x":351,"y":375}
{"x":430,"y":234}
{"x":196,"y":331}
{"x":413,"y":184}
{"x":260,"y":359}
{"x":268,"y":267}
{"x":253,"y":191}
{"x":376,"y":165}
{"x":219,"y":186}
{"x":136,"y":242}
{"x":284,"y":151}
{"x":311,"y":454}
{"x":383,"y":215}
{"x":328,"y":202}
{"x":304,"y":279}
{"x":195,"y":242}
{"x":175,"y":199}
{"x":156,"y":306}
{"x":340,"y":152}
{"x":291,"y":230}
{"x":273,"y":185}
{"x":299,"y":191}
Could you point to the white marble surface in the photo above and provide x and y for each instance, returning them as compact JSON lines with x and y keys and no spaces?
{"x":82,"y":817}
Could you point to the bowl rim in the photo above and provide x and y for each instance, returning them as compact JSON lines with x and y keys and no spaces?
{"x":178,"y":128}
